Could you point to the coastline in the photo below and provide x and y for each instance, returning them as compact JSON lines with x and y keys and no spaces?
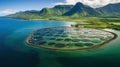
{"x":94,"y":22}
{"x":70,"y":49}
{"x":44,"y":20}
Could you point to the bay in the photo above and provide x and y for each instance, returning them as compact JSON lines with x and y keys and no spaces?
{"x":14,"y":52}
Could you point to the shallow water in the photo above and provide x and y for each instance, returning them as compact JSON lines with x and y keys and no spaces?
{"x":15,"y":53}
{"x":68,"y":38}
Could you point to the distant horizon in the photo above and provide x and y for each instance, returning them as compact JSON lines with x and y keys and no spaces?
{"x":13,"y":6}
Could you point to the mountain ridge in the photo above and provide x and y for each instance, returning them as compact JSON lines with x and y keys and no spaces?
{"x":78,"y":10}
{"x":110,"y":9}
{"x":81,"y":10}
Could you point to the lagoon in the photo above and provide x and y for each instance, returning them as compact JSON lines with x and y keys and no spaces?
{"x":14,"y":52}
{"x":69,"y":38}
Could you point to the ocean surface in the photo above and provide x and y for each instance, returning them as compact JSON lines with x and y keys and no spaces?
{"x":14,"y":52}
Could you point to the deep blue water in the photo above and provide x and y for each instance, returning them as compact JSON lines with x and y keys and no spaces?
{"x":14,"y":52}
{"x":10,"y":55}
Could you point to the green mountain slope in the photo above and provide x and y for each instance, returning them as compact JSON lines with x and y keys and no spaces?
{"x":33,"y":14}
{"x":78,"y":10}
{"x":81,"y":10}
{"x":110,"y":10}
{"x":55,"y":11}
{"x":25,"y":15}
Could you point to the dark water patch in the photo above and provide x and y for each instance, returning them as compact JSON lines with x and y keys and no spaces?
{"x":12,"y":58}
{"x":89,"y":62}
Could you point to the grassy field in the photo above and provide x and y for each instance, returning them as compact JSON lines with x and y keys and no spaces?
{"x":116,"y":23}
{"x":93,"y":22}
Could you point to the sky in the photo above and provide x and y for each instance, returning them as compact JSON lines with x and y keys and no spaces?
{"x":12,"y":6}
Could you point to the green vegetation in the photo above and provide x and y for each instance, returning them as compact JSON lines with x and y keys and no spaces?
{"x":76,"y":11}
{"x":116,"y":23}
{"x":103,"y":17}
{"x":101,"y":23}
{"x":114,"y":26}
{"x":81,"y":10}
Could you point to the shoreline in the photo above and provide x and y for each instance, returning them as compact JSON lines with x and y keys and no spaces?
{"x":43,"y":20}
{"x":98,"y":22}
{"x":70,"y":49}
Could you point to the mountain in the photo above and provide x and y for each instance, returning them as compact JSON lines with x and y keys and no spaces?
{"x":55,"y":11}
{"x":77,"y":10}
{"x":110,"y":10}
{"x":25,"y":14}
{"x":81,"y":10}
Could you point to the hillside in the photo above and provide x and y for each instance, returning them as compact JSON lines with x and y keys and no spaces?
{"x":77,"y":10}
{"x":55,"y":11}
{"x":58,"y":10}
{"x":110,"y":10}
{"x":81,"y":10}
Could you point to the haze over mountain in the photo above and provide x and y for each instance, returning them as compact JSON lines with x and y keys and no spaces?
{"x":110,"y":10}
{"x":78,"y":10}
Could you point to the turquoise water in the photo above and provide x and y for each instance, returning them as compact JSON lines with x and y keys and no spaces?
{"x":68,"y":38}
{"x":15,"y":53}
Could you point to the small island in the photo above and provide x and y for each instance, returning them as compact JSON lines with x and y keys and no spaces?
{"x":69,"y":38}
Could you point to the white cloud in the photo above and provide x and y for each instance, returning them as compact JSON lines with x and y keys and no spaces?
{"x":59,"y":3}
{"x":6,"y":12}
{"x":92,"y":3}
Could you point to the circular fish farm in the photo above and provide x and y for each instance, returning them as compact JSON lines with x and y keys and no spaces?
{"x":69,"y":38}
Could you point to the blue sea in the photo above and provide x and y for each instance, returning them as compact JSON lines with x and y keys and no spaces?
{"x":14,"y":52}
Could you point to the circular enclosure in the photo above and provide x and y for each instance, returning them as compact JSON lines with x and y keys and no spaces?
{"x":69,"y":38}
